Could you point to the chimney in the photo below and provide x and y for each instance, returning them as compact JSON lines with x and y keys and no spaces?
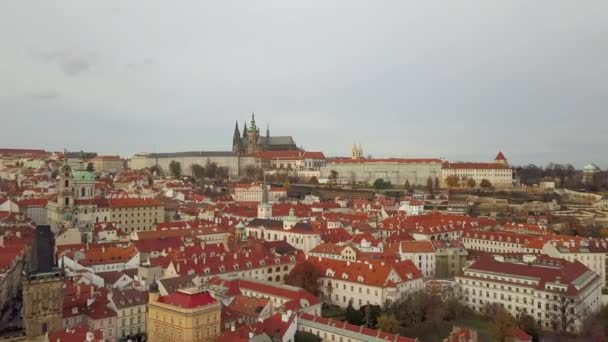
{"x":195,"y":260}
{"x":370,"y":266}
{"x":178,"y":268}
{"x":92,"y":290}
{"x":1,"y":240}
{"x":18,"y":234}
{"x":103,"y":249}
{"x":78,"y":290}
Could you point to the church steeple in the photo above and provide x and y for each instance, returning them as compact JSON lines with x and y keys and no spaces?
{"x":236,"y":139}
{"x":264,"y":191}
{"x":264,"y":208}
{"x":267,"y":134}
{"x":245,"y":131}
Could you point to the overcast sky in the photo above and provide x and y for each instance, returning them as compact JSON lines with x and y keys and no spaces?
{"x":453,"y":79}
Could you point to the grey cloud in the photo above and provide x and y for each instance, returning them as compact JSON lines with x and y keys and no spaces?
{"x":71,"y":61}
{"x":44,"y":94}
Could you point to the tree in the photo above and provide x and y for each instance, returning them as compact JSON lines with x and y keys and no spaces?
{"x":388,"y":323}
{"x":528,"y":324}
{"x":90,"y":167}
{"x":313,"y":180}
{"x":333,"y":176}
{"x":407,"y":185}
{"x":451,"y":181}
{"x":485,"y":184}
{"x":305,"y":275}
{"x":287,"y":184}
{"x":222,"y":172}
{"x":175,"y":169}
{"x":471,"y":183}
{"x":437,"y":185}
{"x":567,"y":313}
{"x":370,"y":314}
{"x":429,"y":185}
{"x":210,"y":170}
{"x":198,"y":172}
{"x":250,"y":171}
{"x":353,"y":316}
{"x":379,"y":184}
{"x":502,"y":322}
{"x":156,"y":169}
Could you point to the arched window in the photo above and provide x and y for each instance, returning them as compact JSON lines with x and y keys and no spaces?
{"x":67,"y":201}
{"x":67,"y":183}
{"x":82,"y":192}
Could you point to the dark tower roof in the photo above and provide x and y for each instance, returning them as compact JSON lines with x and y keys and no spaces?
{"x":43,"y":249}
{"x":236,"y":138}
{"x":245,"y":131}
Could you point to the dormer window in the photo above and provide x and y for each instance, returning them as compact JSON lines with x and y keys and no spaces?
{"x":360,"y":279}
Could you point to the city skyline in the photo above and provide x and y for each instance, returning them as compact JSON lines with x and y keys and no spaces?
{"x":128,"y":78}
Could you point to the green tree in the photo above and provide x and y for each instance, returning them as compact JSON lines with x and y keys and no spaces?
{"x":157,"y":169}
{"x":198,"y":172}
{"x":388,"y":323}
{"x":379,"y":184}
{"x":407,"y":185}
{"x":451,"y":181}
{"x":429,"y":185}
{"x":305,"y":275}
{"x":90,"y":167}
{"x":175,"y":169}
{"x":471,"y":183}
{"x":333,"y":176}
{"x":353,"y":316}
{"x":485,"y":184}
{"x":437,"y":185}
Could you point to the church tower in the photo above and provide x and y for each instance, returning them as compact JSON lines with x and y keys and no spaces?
{"x":236,"y":139}
{"x":253,"y":136}
{"x":264,"y":208}
{"x":357,"y":152}
{"x":42,"y":287}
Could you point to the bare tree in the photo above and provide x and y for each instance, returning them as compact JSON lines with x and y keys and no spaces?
{"x":566,"y":313}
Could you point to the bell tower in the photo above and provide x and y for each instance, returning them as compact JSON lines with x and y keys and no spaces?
{"x":253,"y":136}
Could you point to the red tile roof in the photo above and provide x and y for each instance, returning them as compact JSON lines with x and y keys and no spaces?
{"x":468,"y":166}
{"x":188,"y":300}
{"x":385,"y":160}
{"x":289,"y":155}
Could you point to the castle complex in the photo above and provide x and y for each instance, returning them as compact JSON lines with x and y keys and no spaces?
{"x":252,"y":142}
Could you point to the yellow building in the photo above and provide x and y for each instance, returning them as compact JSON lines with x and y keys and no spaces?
{"x":186,"y":315}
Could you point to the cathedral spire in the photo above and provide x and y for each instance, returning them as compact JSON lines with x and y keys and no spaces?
{"x":236,"y":139}
{"x":264,"y":191}
{"x":267,"y":134}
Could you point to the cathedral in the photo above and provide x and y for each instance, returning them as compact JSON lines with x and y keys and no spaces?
{"x":252,"y":142}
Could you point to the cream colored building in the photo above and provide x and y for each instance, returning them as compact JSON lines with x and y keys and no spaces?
{"x":111,"y":164}
{"x":368,"y":282}
{"x":131,"y":314}
{"x":590,"y":252}
{"x":542,"y":287}
{"x":130,"y":214}
{"x":187,"y":315}
{"x":395,"y":170}
{"x":498,"y":173}
{"x":253,"y":193}
{"x":187,"y":159}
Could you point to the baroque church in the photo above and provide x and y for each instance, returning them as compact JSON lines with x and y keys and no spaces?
{"x":252,"y":142}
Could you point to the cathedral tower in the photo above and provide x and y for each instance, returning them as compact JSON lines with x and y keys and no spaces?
{"x":253,"y":136}
{"x":236,"y":139}
{"x":42,"y":287}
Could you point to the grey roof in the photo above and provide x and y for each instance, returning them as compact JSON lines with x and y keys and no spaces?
{"x":278,"y":140}
{"x":193,"y":154}
{"x":173,"y":284}
{"x":267,"y":223}
{"x":130,"y":297}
